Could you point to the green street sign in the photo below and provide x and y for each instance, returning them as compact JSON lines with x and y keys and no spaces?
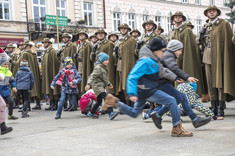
{"x":51,"y":20}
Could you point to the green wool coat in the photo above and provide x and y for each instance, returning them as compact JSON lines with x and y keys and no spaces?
{"x":31,"y":57}
{"x":222,"y":56}
{"x":85,"y":65}
{"x":190,"y":59}
{"x":107,"y":47}
{"x":99,"y":79}
{"x":69,"y":50}
{"x":50,"y":68}
{"x":126,"y":60}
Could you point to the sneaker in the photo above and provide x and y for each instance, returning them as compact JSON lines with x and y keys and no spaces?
{"x":37,"y":107}
{"x":156,"y":120}
{"x":12,"y":117}
{"x":94,"y":116}
{"x":145,"y":116}
{"x":5,"y":129}
{"x":113,"y":115}
{"x":201,"y":121}
{"x":88,"y":114}
{"x":57,"y":116}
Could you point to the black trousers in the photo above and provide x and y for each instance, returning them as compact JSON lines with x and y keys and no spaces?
{"x":9,"y":100}
{"x":100,"y":97}
{"x":25,"y":97}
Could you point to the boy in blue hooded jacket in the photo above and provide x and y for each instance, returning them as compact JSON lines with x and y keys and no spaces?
{"x":142,"y":86}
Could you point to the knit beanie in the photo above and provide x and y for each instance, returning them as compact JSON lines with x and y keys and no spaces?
{"x":102,"y":57}
{"x":24,"y":63}
{"x":3,"y":60}
{"x":156,"y":44}
{"x":68,"y":60}
{"x":174,"y":45}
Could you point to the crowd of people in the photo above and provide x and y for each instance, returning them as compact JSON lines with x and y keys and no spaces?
{"x":128,"y":71}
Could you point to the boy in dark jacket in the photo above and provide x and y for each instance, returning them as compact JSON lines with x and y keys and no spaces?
{"x":174,"y":50}
{"x":24,"y":84}
{"x":5,"y":90}
{"x":142,"y":86}
{"x":68,"y":78}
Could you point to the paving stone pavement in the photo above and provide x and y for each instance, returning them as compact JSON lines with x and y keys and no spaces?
{"x":76,"y":134}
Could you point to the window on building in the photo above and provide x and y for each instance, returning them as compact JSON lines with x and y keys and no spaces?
{"x":4,"y":9}
{"x":198,"y":25}
{"x":198,"y":2}
{"x":158,"y":20}
{"x":185,"y":1}
{"x":61,"y":8}
{"x":145,"y":18}
{"x":39,"y":9}
{"x":212,"y":2}
{"x":225,"y":1}
{"x":116,"y":20}
{"x":88,"y":13}
{"x":169,"y":24}
{"x":132,"y":21}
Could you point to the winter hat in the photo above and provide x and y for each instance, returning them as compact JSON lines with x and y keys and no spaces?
{"x":174,"y":45}
{"x":3,"y":60}
{"x":156,"y":44}
{"x":68,"y":60}
{"x":24,"y":63}
{"x":102,"y":57}
{"x":194,"y":85}
{"x":1,"y":51}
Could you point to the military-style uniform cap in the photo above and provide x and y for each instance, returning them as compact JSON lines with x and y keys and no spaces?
{"x":21,"y":43}
{"x":101,"y":30}
{"x":46,"y":40}
{"x":213,"y":7}
{"x":93,"y":36}
{"x":28,"y":42}
{"x":136,"y":30}
{"x":112,"y":33}
{"x":83,"y":32}
{"x":65,"y":35}
{"x":178,"y":13}
{"x":124,"y":25}
{"x":11,"y":45}
{"x":160,"y":28}
{"x":149,"y":22}
{"x":190,"y":24}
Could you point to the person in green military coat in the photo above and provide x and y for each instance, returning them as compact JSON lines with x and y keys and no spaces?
{"x":93,"y":39}
{"x":50,"y":68}
{"x":68,"y":49}
{"x":218,"y":58}
{"x":83,"y":53}
{"x":125,"y":53}
{"x":136,"y":34}
{"x":13,"y":55}
{"x":113,"y":37}
{"x":31,"y":57}
{"x":190,"y":60}
{"x":106,"y":46}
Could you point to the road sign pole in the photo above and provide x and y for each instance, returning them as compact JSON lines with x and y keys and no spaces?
{"x":57,"y":27}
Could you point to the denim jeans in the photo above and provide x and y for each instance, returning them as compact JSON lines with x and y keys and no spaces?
{"x":158,"y":97}
{"x":63,"y":99}
{"x":180,"y":98}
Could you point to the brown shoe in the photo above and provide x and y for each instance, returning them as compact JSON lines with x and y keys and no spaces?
{"x":109,"y":101}
{"x":208,"y":97}
{"x":179,"y":131}
{"x":204,"y":98}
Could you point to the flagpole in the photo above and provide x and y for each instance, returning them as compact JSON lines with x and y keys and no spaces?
{"x":57,"y":27}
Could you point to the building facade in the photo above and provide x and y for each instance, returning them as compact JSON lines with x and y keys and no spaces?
{"x":25,"y":19}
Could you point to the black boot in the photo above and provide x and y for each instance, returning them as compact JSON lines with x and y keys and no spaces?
{"x":214,"y":109}
{"x":51,"y":104}
{"x":221,"y":108}
{"x":38,"y":105}
{"x":68,"y":108}
{"x":5,"y":129}
{"x":55,"y":105}
{"x":24,"y":114}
